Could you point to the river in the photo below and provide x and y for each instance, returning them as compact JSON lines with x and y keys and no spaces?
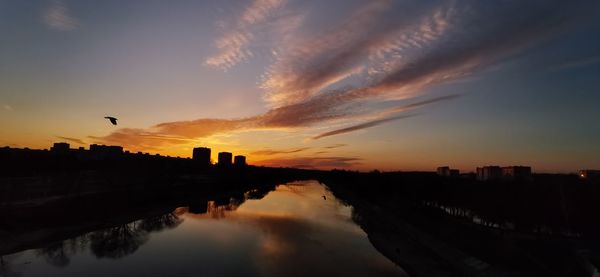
{"x":298,"y":229}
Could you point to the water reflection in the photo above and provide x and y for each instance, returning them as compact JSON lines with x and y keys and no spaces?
{"x":113,"y":243}
{"x":292,"y":230}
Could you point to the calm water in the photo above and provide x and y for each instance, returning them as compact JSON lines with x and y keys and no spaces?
{"x":292,"y":231}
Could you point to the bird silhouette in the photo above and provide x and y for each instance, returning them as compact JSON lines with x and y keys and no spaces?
{"x":113,"y":120}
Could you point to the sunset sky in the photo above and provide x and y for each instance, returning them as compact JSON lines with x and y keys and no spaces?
{"x":389,"y":85}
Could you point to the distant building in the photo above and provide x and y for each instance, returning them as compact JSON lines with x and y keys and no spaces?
{"x":443,"y":171}
{"x":454,"y":173}
{"x":224,"y":159}
{"x":239,"y":160}
{"x":446,"y":171}
{"x":60,"y":147}
{"x":516,"y":172}
{"x":492,"y":172}
{"x":470,"y":175}
{"x":589,"y":174}
{"x":201,"y":155}
{"x":105,"y":151}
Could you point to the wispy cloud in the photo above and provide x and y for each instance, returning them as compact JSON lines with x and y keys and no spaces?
{"x":360,"y":126}
{"x":335,"y":146}
{"x":394,"y":51}
{"x":151,"y":139}
{"x":313,"y":162}
{"x":318,"y":110}
{"x":270,"y":152}
{"x":576,"y":63}
{"x":7,"y":107}
{"x":74,"y":140}
{"x":308,"y":64}
{"x":57,"y":17}
{"x":374,"y":39}
{"x":234,"y":44}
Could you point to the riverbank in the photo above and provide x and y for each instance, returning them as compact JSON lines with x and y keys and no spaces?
{"x":426,"y":240}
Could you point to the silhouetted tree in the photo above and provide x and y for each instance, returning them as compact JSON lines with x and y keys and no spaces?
{"x":159,"y":223}
{"x":117,"y":242}
{"x":56,"y":254}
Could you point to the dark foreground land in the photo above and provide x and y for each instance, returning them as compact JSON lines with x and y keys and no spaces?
{"x":429,"y":225}
{"x":435,"y":226}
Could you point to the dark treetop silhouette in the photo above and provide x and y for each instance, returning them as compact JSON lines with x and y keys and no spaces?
{"x":113,"y":120}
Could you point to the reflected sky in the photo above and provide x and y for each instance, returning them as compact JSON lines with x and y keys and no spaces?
{"x":299,"y":229}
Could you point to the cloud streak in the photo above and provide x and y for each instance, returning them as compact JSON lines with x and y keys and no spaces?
{"x":576,"y":63}
{"x":74,"y":140}
{"x":335,"y":146}
{"x":360,"y":126}
{"x":58,"y":18}
{"x":446,"y":43}
{"x":313,"y":162}
{"x":288,"y":117}
{"x":277,"y":152}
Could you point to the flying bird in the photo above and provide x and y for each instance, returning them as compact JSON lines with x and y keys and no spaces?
{"x":113,"y":120}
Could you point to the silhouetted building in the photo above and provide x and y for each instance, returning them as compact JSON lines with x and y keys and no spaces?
{"x":201,"y":155}
{"x":516,"y":172}
{"x":489,"y":173}
{"x":224,"y":159}
{"x":470,"y":175}
{"x":589,"y":174}
{"x":239,"y":160}
{"x":454,"y":173}
{"x":446,"y":171}
{"x":105,"y":151}
{"x":443,"y":171}
{"x":60,"y":147}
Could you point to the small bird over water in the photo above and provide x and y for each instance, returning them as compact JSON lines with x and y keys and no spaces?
{"x":113,"y":120}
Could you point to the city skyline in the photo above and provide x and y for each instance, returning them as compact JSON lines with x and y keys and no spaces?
{"x":202,"y":158}
{"x":344,"y":84}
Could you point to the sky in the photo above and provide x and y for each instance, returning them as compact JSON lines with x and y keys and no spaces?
{"x":362,"y":85}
